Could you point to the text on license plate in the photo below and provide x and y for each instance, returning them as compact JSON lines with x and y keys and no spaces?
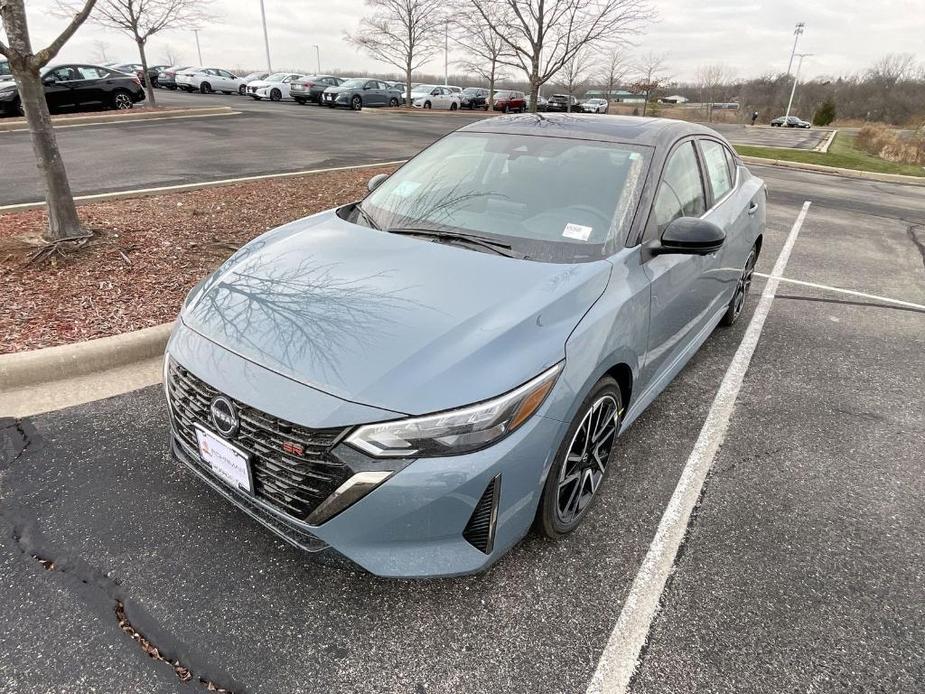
{"x":226,"y":461}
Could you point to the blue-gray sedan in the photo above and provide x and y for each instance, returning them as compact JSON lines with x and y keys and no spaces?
{"x":416,"y":380}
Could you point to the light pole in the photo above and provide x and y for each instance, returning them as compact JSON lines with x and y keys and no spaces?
{"x":796,"y":78}
{"x":317,"y":57}
{"x":198,"y":52}
{"x":797,"y":31}
{"x":266,"y":37}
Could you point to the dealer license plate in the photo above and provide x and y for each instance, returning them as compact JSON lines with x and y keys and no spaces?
{"x":226,"y":461}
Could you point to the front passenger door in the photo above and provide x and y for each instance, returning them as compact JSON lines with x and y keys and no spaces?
{"x":683,"y":287}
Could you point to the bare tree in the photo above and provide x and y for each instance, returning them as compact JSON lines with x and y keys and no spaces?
{"x":575,"y":75}
{"x":484,"y":48}
{"x":611,"y":72}
{"x":403,"y":33}
{"x":100,"y":51}
{"x":142,"y":19}
{"x":25,"y":64}
{"x":651,"y":75}
{"x":170,"y":55}
{"x":893,"y":68}
{"x":713,"y":79}
{"x":545,"y":35}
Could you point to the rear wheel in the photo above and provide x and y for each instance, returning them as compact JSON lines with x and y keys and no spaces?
{"x":121,"y":100}
{"x":356,"y":103}
{"x":453,"y":106}
{"x":242,"y":90}
{"x":205,"y":88}
{"x":744,"y":284}
{"x":276,"y":95}
{"x":393,"y":102}
{"x":582,"y":461}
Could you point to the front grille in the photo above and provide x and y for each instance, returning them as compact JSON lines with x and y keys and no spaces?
{"x":480,"y":530}
{"x":291,"y":484}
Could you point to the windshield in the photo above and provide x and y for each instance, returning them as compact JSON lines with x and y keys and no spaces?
{"x":549,"y":198}
{"x":277,"y":77}
{"x":353,"y":84}
{"x":422,"y":88}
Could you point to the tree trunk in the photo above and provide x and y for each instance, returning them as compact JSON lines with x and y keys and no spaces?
{"x":534,"y":91}
{"x":408,"y":85}
{"x":63,"y":222}
{"x":144,"y":67}
{"x":645,"y":104}
{"x":491,"y":86}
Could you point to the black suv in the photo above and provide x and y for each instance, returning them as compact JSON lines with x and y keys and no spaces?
{"x":76,"y":86}
{"x":562,"y":102}
{"x":474,"y":97}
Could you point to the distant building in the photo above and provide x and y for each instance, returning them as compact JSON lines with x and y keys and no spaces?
{"x":620,"y":95}
{"x":676,"y":99}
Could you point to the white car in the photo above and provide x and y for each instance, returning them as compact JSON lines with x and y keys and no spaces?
{"x":207,"y":80}
{"x":275,"y":87}
{"x":435,"y":96}
{"x":595,"y":106}
{"x":252,"y":77}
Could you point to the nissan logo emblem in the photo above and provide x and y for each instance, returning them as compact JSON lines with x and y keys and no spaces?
{"x":224,"y":416}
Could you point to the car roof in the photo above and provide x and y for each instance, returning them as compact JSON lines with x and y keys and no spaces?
{"x":653,"y":132}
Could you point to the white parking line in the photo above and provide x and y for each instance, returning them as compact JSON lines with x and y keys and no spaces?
{"x":202,"y":184}
{"x":618,"y":661}
{"x":850,"y":292}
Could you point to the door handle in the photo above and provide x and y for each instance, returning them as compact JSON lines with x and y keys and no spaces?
{"x":753,"y":207}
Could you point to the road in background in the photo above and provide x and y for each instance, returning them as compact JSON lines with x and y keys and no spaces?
{"x":801,"y":572}
{"x":265,"y":138}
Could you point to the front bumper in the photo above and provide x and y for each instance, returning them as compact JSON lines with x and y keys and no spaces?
{"x":413,"y":524}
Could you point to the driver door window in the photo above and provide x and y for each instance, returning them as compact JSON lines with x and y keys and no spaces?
{"x":681,"y":191}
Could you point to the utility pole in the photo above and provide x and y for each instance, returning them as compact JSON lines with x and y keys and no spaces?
{"x":266,"y":37}
{"x":796,"y":78}
{"x":798,"y":30}
{"x":318,"y":57}
{"x":198,"y":52}
{"x":446,"y":53}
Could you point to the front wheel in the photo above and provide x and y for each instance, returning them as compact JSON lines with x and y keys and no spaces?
{"x":276,"y":95}
{"x":427,"y":104}
{"x":356,"y":103}
{"x":453,"y":106}
{"x":242,"y":90}
{"x":121,"y":101}
{"x":582,"y":461}
{"x":393,"y":103}
{"x":743,"y":285}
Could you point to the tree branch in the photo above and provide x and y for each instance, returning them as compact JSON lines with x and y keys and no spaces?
{"x":46,"y":54}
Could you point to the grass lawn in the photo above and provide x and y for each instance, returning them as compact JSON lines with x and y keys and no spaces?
{"x":842,"y":154}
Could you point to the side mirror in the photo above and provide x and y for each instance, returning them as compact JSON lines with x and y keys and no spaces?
{"x":376,"y":181}
{"x":48,"y":81}
{"x":690,"y":236}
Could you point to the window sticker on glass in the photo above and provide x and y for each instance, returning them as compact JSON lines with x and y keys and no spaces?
{"x":576,"y":231}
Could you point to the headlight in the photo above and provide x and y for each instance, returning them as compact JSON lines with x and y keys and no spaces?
{"x":456,"y":431}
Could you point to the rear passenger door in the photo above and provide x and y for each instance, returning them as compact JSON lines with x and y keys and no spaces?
{"x":684,"y":288}
{"x":372,"y":95}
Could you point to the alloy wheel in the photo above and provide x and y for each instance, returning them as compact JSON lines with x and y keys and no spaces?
{"x":276,"y":95}
{"x":743,"y":285}
{"x":122,"y":101}
{"x":586,"y":459}
{"x":356,"y":104}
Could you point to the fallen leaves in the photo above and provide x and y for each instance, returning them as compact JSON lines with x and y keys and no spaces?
{"x":145,"y":254}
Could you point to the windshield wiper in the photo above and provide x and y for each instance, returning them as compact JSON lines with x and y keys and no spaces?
{"x":365,"y":215}
{"x":498,"y":247}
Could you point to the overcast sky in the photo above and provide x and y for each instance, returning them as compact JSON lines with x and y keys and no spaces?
{"x":753,"y":37}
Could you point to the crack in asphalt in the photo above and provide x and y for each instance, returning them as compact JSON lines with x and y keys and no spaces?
{"x":16,"y":437}
{"x":913,"y":232}
{"x":105,"y":594}
{"x":845,"y":302}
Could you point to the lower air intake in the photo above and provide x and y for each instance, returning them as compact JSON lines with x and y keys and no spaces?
{"x":480,"y":530}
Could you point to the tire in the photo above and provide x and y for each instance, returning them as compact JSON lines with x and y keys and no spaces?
{"x":276,"y":95}
{"x":300,"y":102}
{"x":393,"y":102}
{"x":737,"y":302}
{"x":565,"y":503}
{"x":205,"y":88}
{"x":242,"y":90}
{"x":122,"y":100}
{"x":427,"y":104}
{"x":356,"y":103}
{"x":453,"y":106}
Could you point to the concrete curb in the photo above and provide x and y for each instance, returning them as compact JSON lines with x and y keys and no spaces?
{"x":823,"y":146}
{"x":833,"y":171}
{"x":24,"y":369}
{"x":19,"y":124}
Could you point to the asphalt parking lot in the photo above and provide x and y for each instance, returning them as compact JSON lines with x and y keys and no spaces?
{"x":263,"y":138}
{"x":802,"y":569}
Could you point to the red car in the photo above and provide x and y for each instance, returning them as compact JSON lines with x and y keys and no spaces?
{"x":510,"y":101}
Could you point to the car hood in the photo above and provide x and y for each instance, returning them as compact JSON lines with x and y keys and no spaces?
{"x":389,"y":321}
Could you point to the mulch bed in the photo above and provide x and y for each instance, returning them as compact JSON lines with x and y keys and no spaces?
{"x":146,"y":254}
